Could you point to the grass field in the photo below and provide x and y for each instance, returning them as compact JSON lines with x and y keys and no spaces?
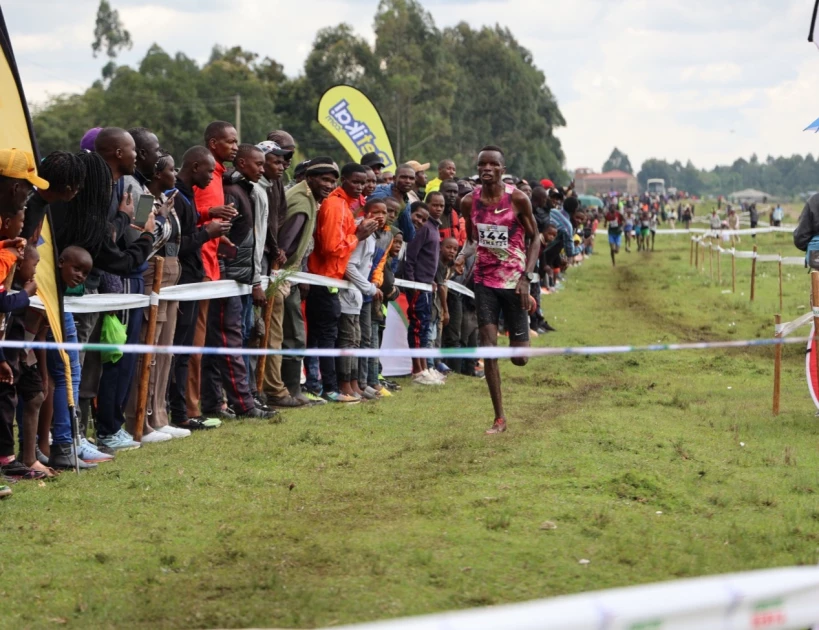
{"x":403,"y":506}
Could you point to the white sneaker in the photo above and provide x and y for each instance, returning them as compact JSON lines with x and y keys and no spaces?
{"x":155,"y":437}
{"x":437,"y":375}
{"x":426,"y":378}
{"x":175,"y":432}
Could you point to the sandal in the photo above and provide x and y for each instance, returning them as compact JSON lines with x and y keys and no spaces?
{"x":49,"y":472}
{"x":16,"y":469}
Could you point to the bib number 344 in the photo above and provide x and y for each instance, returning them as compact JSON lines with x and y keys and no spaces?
{"x":493,"y":236}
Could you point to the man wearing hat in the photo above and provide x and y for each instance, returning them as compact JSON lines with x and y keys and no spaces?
{"x":18,"y":176}
{"x":271,"y":183}
{"x":373,"y":161}
{"x":419,"y":185}
{"x":295,"y":241}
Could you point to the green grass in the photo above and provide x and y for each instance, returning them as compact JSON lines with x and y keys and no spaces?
{"x":404,"y":507}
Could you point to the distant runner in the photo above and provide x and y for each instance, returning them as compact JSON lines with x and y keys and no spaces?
{"x":500,"y":218}
{"x":614,"y":221}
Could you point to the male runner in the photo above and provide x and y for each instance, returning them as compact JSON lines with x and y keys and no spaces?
{"x":500,"y":217}
{"x":614,"y":221}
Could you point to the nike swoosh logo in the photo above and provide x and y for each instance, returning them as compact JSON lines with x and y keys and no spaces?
{"x":499,"y":210}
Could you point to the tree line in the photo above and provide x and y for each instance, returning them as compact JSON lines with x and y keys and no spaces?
{"x":781,"y":177}
{"x":441,"y":93}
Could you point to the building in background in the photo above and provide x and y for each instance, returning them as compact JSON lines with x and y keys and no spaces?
{"x":587,"y":182}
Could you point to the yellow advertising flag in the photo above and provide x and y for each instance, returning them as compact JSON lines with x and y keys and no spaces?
{"x":16,"y":133}
{"x":354,"y":121}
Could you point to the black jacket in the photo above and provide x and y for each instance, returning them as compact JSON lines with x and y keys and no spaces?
{"x":191,"y":237}
{"x":238,"y":191}
{"x":808,"y":224}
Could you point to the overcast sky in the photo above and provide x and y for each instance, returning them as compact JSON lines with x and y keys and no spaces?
{"x":699,"y":79}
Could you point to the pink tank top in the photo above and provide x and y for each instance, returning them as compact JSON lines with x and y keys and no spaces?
{"x":501,"y":257}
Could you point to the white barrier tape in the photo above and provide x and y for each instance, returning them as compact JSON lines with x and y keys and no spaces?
{"x":744,"y":254}
{"x":98,"y":303}
{"x":789,"y":327}
{"x":785,"y":599}
{"x":793,"y":260}
{"x":778,"y":328}
{"x":459,"y":288}
{"x":301,"y":277}
{"x":815,"y":311}
{"x":409,"y":284}
{"x":768,"y":258}
{"x":485,"y":352}
{"x":727,"y":252}
{"x":154,"y":299}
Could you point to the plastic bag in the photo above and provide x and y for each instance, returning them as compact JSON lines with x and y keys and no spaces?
{"x":112,"y":332}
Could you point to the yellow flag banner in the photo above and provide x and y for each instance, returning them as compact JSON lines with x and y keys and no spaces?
{"x":354,"y":121}
{"x":16,"y":132}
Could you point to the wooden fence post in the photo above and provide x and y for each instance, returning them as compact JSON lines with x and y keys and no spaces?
{"x":145,"y":367}
{"x":780,"y":283}
{"x":733,"y":271}
{"x":753,"y":275}
{"x":711,"y":261}
{"x":691,"y":254}
{"x":719,"y":266}
{"x":697,"y":255}
{"x":777,"y":364}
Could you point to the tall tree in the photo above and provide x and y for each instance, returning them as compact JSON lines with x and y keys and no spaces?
{"x":109,"y":32}
{"x":618,"y":161}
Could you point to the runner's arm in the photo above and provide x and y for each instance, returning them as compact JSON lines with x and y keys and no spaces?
{"x":523,"y":208}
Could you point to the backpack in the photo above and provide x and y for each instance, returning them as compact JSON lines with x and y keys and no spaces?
{"x":812,"y":253}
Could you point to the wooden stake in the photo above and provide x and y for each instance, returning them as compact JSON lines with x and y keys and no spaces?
{"x":145,"y":368}
{"x":697,"y":255}
{"x":777,"y":365}
{"x":719,"y":266}
{"x":753,"y":275}
{"x":711,"y":260}
{"x":780,"y":283}
{"x":691,"y":254}
{"x":733,"y":271}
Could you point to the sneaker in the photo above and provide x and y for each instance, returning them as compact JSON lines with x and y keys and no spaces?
{"x":192,"y":424}
{"x":174,"y":432}
{"x":370,"y":393}
{"x":120,"y":441}
{"x":90,"y":453}
{"x":437,"y":375}
{"x":258,"y":414}
{"x":313,"y":398}
{"x":5,"y":491}
{"x":383,"y":393}
{"x":338,"y":397}
{"x":426,"y":378}
{"x":18,"y":471}
{"x":390,"y":385}
{"x":41,"y":457}
{"x":155,"y":437}
{"x":498,"y":427}
{"x":285,"y":402}
{"x":210,"y":423}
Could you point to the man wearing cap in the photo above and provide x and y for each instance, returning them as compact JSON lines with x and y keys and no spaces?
{"x":287,"y":143}
{"x":446,"y":171}
{"x":419,"y":182}
{"x":298,"y":174}
{"x":296,"y":241}
{"x":373,"y":161}
{"x":399,"y":190}
{"x":271,"y":182}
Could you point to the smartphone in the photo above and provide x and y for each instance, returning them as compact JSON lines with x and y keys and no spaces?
{"x":228,"y":252}
{"x":143,"y":209}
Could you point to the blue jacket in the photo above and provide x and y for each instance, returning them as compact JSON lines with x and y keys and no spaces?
{"x":565,"y":232}
{"x":404,"y":221}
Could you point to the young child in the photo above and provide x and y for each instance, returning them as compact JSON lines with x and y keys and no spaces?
{"x":441,"y":313}
{"x":10,"y":466}
{"x":352,"y":301}
{"x":420,"y":265}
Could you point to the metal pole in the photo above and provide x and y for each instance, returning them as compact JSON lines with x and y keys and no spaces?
{"x":238,"y":116}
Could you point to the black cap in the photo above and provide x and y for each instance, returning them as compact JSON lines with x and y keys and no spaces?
{"x":372,"y":159}
{"x":300,"y":168}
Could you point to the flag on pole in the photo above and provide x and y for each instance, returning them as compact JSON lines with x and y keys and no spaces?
{"x":354,"y":121}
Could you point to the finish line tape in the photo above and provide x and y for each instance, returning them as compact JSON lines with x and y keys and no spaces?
{"x":483,"y":352}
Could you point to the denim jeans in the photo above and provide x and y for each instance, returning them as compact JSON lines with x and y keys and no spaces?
{"x":61,"y":424}
{"x":247,"y":332}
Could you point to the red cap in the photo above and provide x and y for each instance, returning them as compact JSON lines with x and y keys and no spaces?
{"x":547,"y":183}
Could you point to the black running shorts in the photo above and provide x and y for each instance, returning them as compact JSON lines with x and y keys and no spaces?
{"x":491,"y":302}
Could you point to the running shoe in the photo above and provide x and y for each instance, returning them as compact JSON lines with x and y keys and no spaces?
{"x":498,"y":427}
{"x":338,"y":397}
{"x":390,"y":385}
{"x":258,"y":414}
{"x":90,"y":453}
{"x":313,"y":399}
{"x":156,"y":437}
{"x":5,"y":491}
{"x":426,"y":378}
{"x":192,"y":424}
{"x":18,"y":471}
{"x":174,"y":432}
{"x":120,"y":441}
{"x":437,"y":375}
{"x":370,"y":394}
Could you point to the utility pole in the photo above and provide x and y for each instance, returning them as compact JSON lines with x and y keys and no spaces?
{"x":238,"y":115}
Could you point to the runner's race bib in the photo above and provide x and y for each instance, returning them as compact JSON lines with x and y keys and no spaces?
{"x":493,"y":236}
{"x":614,"y":224}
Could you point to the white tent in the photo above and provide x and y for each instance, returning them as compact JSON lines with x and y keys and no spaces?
{"x":751,"y":195}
